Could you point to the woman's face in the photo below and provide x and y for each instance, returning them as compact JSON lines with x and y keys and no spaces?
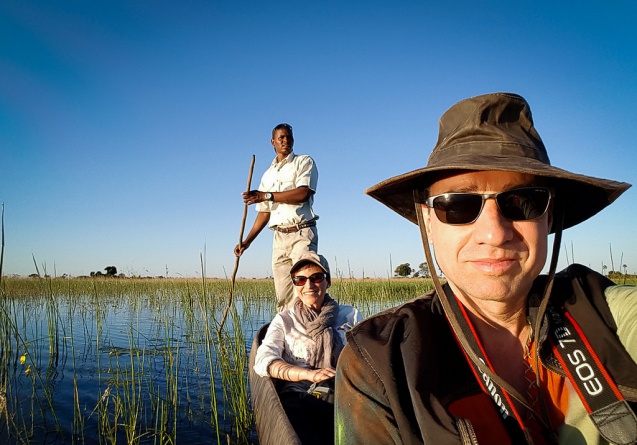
{"x":311,"y":294}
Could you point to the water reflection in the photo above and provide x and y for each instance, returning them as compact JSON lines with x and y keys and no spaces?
{"x":147,"y":370}
{"x":105,"y":361}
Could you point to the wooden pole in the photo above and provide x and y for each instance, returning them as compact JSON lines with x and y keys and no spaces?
{"x":236,"y":262}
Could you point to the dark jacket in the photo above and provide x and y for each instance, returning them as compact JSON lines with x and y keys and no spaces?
{"x":402,"y":372}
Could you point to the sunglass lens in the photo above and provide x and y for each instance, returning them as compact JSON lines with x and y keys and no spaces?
{"x":317,"y":278}
{"x":300,"y":280}
{"x":524,"y":204}
{"x":458,"y":208}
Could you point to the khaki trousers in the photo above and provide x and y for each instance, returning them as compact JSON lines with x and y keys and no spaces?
{"x":286,"y":249}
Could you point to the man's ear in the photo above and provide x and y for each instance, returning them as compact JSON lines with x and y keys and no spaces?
{"x":426,"y":215}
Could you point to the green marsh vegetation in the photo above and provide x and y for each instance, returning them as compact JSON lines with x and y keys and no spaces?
{"x":129,"y":361}
{"x":123,"y":360}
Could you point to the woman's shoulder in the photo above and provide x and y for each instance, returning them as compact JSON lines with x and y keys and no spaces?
{"x":282,"y":321}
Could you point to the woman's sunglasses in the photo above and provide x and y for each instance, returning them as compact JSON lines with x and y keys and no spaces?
{"x":522,"y":204}
{"x":315,"y":278}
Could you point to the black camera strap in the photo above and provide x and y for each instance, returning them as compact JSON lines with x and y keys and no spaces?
{"x":604,"y":403}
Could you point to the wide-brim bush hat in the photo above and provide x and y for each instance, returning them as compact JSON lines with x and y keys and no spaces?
{"x":496,"y":132}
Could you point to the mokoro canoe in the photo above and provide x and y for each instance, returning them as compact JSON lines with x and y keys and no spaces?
{"x":273,"y":426}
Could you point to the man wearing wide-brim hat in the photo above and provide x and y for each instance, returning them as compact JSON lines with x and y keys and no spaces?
{"x":499,"y":354}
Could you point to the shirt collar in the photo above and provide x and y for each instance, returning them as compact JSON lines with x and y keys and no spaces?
{"x":286,"y":160}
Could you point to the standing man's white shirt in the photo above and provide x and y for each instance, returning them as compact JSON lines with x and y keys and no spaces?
{"x":292,"y":172}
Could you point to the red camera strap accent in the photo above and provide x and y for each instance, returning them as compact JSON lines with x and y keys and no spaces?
{"x":606,"y":406}
{"x":500,"y":397}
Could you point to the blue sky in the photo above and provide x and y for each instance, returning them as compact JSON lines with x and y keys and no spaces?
{"x":127,"y":127}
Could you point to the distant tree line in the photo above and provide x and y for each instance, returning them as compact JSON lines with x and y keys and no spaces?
{"x":111,"y":271}
{"x":405,"y":270}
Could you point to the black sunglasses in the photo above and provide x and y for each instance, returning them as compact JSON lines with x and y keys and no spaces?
{"x":522,"y":204}
{"x":315,"y":278}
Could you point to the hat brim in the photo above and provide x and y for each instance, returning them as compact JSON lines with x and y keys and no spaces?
{"x":579,"y":196}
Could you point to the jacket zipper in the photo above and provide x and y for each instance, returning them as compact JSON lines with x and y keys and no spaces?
{"x":467,"y":434}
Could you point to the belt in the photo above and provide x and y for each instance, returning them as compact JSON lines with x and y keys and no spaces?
{"x":296,"y":227}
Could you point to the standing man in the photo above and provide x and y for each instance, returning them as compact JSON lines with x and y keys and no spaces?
{"x":500,"y":354}
{"x":284,"y":202}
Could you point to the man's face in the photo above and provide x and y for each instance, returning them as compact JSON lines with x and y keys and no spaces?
{"x":283,"y":141}
{"x":493,"y":258}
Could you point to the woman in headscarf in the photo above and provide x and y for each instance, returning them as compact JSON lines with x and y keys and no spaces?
{"x":302,"y":345}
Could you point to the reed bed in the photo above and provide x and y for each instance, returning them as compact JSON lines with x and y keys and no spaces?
{"x":105,"y":360}
{"x":141,"y":361}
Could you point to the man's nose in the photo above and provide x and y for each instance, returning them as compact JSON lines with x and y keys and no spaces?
{"x":491,"y":227}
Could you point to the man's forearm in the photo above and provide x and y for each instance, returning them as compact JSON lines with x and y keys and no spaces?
{"x":260,"y":223}
{"x":295,"y":196}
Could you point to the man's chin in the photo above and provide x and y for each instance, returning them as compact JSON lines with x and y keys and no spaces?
{"x":488,"y":287}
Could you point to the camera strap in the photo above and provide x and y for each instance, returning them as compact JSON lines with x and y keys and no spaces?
{"x":604,"y":403}
{"x":500,"y":391}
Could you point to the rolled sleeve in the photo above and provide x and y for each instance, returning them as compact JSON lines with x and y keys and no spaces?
{"x":271,"y":348}
{"x":307,"y":173}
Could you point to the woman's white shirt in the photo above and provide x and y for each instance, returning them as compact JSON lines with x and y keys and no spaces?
{"x":287,"y":339}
